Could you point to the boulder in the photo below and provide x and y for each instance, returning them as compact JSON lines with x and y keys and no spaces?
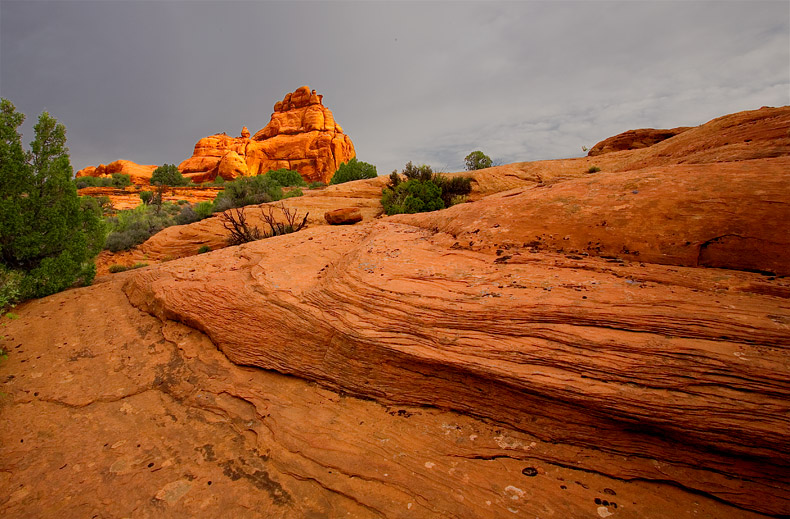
{"x":343,"y":216}
{"x":232,"y":166}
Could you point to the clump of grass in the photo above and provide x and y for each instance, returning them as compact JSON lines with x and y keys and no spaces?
{"x":114,"y":269}
{"x":593,"y":169}
{"x":204,"y":249}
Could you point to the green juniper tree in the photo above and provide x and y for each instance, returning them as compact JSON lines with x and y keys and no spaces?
{"x":477,"y":160}
{"x":48,"y":234}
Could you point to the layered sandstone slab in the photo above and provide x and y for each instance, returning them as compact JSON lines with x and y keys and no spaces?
{"x":641,"y":371}
{"x":154,"y":421}
{"x":302,"y":135}
{"x":139,"y":174}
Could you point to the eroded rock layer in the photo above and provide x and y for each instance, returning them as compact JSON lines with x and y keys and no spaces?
{"x":682,"y":375}
{"x":634,"y":140}
{"x":134,"y":417}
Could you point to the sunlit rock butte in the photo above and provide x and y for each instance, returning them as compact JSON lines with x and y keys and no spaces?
{"x":302,"y":136}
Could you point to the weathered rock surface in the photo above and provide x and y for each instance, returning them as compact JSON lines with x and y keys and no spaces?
{"x":343,"y":216}
{"x":302,"y":135}
{"x":522,"y":357}
{"x":634,"y":140}
{"x":134,"y":417}
{"x":138,"y":173}
{"x":728,"y":215}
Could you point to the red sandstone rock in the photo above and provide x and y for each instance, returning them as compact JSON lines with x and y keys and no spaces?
{"x":343,"y":216}
{"x":634,"y":140}
{"x":138,"y":174}
{"x":302,"y":135}
{"x":159,"y":423}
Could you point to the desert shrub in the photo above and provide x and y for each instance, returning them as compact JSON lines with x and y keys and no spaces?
{"x":48,"y":233}
{"x":593,"y":169}
{"x":182,"y":202}
{"x":353,"y":170}
{"x":120,"y":180}
{"x":285,"y":177}
{"x":477,"y":160}
{"x":423,"y":190}
{"x":412,"y":196}
{"x":132,"y":227}
{"x":316,"y":185}
{"x":114,"y":269}
{"x":186,"y":215}
{"x":83,"y":182}
{"x":10,"y":287}
{"x":168,"y":175}
{"x":235,"y":222}
{"x":146,"y":197}
{"x":203,"y":209}
{"x":422,"y":172}
{"x":204,"y":249}
{"x":453,"y":187}
{"x":293,"y":192}
{"x":248,"y":191}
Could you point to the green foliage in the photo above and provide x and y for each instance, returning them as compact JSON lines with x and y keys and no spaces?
{"x":168,"y":175}
{"x":285,"y":177}
{"x":121,"y":180}
{"x":204,"y":249}
{"x":422,"y":172}
{"x":146,"y":197}
{"x":353,"y":170}
{"x":117,"y":180}
{"x":316,"y":185}
{"x":453,"y":187}
{"x":10,"y":287}
{"x":412,"y":196}
{"x":593,"y":169}
{"x":248,"y":191}
{"x":477,"y":160}
{"x":423,"y":190}
{"x":203,"y":209}
{"x":293,"y":192}
{"x":132,"y":227}
{"x":47,"y":232}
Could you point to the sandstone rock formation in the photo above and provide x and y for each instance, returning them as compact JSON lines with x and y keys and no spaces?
{"x":634,"y":140}
{"x":302,"y":135}
{"x":134,"y":417}
{"x":138,"y":174}
{"x":575,"y":345}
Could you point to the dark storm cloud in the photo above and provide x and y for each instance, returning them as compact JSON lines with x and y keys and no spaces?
{"x":427,"y":82}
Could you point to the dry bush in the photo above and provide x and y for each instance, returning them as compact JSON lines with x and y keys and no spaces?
{"x":235,"y":222}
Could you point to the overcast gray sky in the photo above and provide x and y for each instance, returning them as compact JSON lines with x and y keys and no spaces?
{"x":421,"y":81}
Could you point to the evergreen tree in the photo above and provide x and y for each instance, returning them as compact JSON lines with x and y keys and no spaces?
{"x":477,"y":160}
{"x":47,"y":232}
